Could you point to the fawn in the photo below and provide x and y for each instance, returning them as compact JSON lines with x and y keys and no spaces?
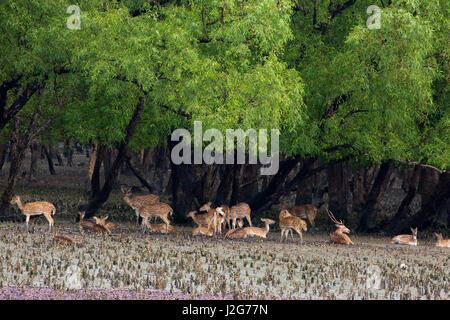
{"x":252,"y":231}
{"x":289,"y":222}
{"x":406,"y":238}
{"x":36,"y":209}
{"x":339,"y":236}
{"x":138,"y":201}
{"x":440,"y":242}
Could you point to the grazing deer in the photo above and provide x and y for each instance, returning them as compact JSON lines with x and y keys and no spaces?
{"x":138,"y":201}
{"x":440,"y":242}
{"x":406,"y":238}
{"x":160,"y":209}
{"x":339,"y":236}
{"x":158,"y":228}
{"x":252,"y":231}
{"x":63,"y":239}
{"x":289,"y":222}
{"x":307,"y":211}
{"x":102,"y":221}
{"x":36,"y":209}
{"x":86,"y":224}
{"x":240,"y":223}
{"x":241,"y":210}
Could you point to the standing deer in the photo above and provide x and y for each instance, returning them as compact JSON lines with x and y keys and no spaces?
{"x":138,"y":201}
{"x":440,"y":242}
{"x":289,"y":222}
{"x":406,"y":238}
{"x":213,"y":216}
{"x":339,"y":236}
{"x":307,"y":211}
{"x":241,"y":210}
{"x":252,"y":231}
{"x":36,"y":209}
{"x":160,"y":209}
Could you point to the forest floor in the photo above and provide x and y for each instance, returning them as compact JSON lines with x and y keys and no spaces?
{"x":131,"y":264}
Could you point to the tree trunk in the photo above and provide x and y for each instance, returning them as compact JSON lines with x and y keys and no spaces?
{"x":337,"y":190}
{"x":403,"y":210}
{"x":134,"y":165}
{"x":368,"y":222}
{"x":92,"y":161}
{"x":362,"y":181}
{"x":96,"y":202}
{"x":51,"y":166}
{"x":107,"y":159}
{"x":68,"y":153}
{"x":3,"y":153}
{"x":95,"y":178}
{"x":35,"y":153}
{"x":432,"y":209}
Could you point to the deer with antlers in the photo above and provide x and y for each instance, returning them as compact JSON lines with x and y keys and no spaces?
{"x":339,"y":236}
{"x":37,"y":208}
{"x":138,"y":201}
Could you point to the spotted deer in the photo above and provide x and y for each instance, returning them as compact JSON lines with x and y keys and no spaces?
{"x":216,"y":217}
{"x":243,"y":233}
{"x":61,"y":239}
{"x":102,"y":221}
{"x":241,"y":210}
{"x":86,"y":224}
{"x":408,"y":239}
{"x":37,"y":208}
{"x":307,"y":211}
{"x":440,"y":242}
{"x":240,"y":224}
{"x":138,"y":201}
{"x":339,"y":236}
{"x":158,"y":227}
{"x":289,"y":222}
{"x":160,"y":209}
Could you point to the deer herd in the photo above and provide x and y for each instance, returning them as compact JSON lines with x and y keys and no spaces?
{"x":213,"y":222}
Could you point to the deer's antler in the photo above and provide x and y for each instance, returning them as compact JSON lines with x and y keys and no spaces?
{"x":330,"y":214}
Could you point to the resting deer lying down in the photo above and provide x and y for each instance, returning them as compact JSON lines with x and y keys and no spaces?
{"x":62,"y":239}
{"x":289,"y":222}
{"x":108,"y":225}
{"x":86,"y":224}
{"x":407,"y":239}
{"x":158,"y":228}
{"x":339,"y":236}
{"x":37,"y":208}
{"x":440,"y":242}
{"x":203,"y":230}
{"x":243,"y":233}
{"x":240,"y":224}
